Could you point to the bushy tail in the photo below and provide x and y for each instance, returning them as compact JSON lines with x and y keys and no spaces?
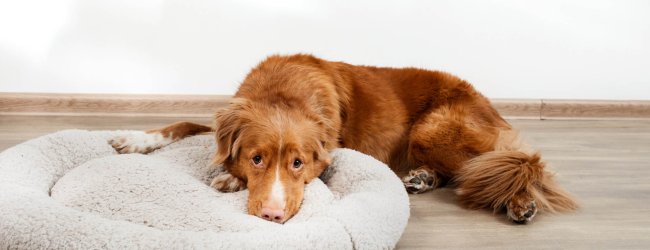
{"x":493,"y":178}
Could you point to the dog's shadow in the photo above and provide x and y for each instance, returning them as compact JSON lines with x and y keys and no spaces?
{"x":445,"y":195}
{"x":447,"y":198}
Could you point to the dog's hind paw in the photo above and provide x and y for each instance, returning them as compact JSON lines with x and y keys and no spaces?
{"x":521,"y":208}
{"x":227,"y":183}
{"x":139,"y":142}
{"x":420,"y":180}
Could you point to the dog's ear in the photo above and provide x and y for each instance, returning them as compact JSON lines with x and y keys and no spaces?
{"x":228,"y":123}
{"x":321,"y":159}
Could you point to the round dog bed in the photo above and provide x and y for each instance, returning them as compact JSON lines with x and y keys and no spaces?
{"x":71,"y":189}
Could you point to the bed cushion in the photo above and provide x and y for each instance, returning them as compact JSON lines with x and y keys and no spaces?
{"x":70,"y":189}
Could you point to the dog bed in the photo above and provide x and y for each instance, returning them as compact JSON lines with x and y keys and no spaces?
{"x":70,"y":189}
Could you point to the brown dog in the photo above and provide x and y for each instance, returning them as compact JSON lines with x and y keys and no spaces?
{"x":290,"y":111}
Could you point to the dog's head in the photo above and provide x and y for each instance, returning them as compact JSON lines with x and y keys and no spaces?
{"x":275,"y":150}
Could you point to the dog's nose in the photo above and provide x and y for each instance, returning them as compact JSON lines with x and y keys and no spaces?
{"x":273,"y":214}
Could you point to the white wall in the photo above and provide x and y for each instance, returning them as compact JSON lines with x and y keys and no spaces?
{"x":589,"y":49}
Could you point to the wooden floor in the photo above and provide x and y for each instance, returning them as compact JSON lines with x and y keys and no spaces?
{"x":603,"y":163}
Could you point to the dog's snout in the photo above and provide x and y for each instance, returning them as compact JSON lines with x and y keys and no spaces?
{"x":273,"y":214}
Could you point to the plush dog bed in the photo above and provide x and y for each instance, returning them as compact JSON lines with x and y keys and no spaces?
{"x":70,"y":189}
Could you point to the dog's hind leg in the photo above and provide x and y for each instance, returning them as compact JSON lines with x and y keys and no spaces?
{"x":439,"y":142}
{"x":146,"y":142}
{"x":512,"y":177}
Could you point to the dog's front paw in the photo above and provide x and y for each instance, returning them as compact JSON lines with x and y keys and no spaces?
{"x":420,"y":180}
{"x":139,"y":142}
{"x":227,"y":183}
{"x":521,"y":208}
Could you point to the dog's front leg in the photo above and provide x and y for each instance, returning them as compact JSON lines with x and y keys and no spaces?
{"x":227,"y":183}
{"x":146,"y":142}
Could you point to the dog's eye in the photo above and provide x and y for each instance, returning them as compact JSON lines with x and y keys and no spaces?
{"x":297,"y":163}
{"x":257,"y":159}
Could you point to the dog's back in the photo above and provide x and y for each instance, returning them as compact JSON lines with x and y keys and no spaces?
{"x":372,"y":109}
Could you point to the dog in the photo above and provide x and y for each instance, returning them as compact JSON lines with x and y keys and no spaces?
{"x":290,"y":111}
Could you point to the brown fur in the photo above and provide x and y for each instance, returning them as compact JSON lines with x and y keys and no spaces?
{"x":300,"y":107}
{"x":180,"y":130}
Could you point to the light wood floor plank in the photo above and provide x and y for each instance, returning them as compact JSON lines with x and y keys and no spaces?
{"x":603,"y":163}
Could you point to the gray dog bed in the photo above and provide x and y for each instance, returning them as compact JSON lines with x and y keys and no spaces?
{"x":72,"y":190}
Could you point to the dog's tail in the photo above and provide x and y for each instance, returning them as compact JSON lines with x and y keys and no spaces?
{"x":491,"y":179}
